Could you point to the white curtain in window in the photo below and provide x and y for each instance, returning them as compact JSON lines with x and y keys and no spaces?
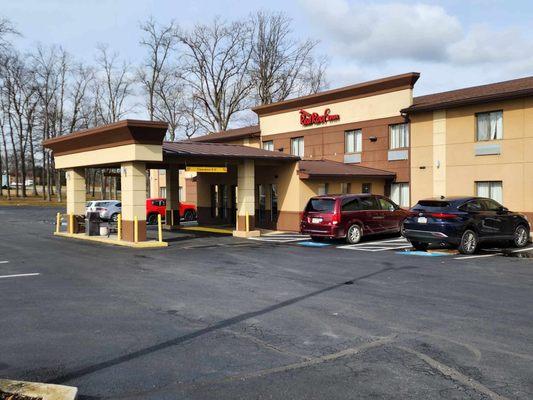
{"x":483,"y":127}
{"x":358,"y":141}
{"x":399,"y":136}
{"x":482,"y":189}
{"x":297,"y":147}
{"x":350,"y":142}
{"x":395,"y":193}
{"x":404,"y":201}
{"x":496,"y":192}
{"x":496,"y":125}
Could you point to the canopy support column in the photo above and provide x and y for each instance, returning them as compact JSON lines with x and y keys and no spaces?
{"x":172,"y":216}
{"x":75,"y":178}
{"x":246,"y":200}
{"x":133,"y":180}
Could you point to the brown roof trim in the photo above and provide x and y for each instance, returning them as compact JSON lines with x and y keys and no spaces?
{"x":387,"y":84}
{"x":507,"y":90}
{"x":319,"y":169}
{"x":230,"y":134}
{"x":120,"y":133}
{"x":206,"y":150}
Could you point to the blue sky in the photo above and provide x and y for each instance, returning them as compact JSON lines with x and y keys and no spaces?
{"x":451,"y":43}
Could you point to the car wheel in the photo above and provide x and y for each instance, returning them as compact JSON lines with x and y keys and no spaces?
{"x":402,"y":229}
{"x":420,"y":246}
{"x":114,"y":217}
{"x":152,"y":219}
{"x":521,"y":236}
{"x":354,"y":234}
{"x":469,"y":242}
{"x":189,"y":215}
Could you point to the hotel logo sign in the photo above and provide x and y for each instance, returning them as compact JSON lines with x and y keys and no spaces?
{"x":307,"y":119}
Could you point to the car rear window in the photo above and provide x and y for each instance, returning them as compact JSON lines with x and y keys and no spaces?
{"x":431,"y":205}
{"x":321,"y":205}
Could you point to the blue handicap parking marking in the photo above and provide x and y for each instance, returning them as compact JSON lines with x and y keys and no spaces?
{"x":421,"y":253}
{"x":313,"y":244}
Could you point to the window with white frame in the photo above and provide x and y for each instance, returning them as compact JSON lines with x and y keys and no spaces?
{"x":268,"y":145}
{"x":399,"y":193}
{"x":323,"y":189}
{"x":398,"y":136}
{"x":297,"y":146}
{"x":353,"y":141}
{"x":489,"y":126}
{"x":490,"y":189}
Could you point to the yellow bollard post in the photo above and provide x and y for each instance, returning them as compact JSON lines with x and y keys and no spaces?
{"x":135,"y":229}
{"x":71,"y":224}
{"x":159,"y":228}
{"x":247,"y":222}
{"x":119,"y":227}
{"x":58,"y":222}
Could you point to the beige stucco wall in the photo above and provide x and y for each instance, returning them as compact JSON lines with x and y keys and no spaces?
{"x":461,"y":168}
{"x":112,"y":155}
{"x":360,"y":109}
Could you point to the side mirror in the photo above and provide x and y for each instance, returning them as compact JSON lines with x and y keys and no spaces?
{"x":503,"y":209}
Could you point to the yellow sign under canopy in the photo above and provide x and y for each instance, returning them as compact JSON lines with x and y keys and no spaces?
{"x":207,"y":169}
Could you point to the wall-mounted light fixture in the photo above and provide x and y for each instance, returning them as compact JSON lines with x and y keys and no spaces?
{"x":422,"y":167}
{"x":373,"y":138}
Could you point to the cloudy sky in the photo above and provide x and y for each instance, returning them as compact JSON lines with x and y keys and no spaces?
{"x":453,"y":43}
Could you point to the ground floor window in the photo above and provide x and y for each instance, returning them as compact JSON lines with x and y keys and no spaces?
{"x":367,"y":188}
{"x":345,"y":188}
{"x":163,"y":192}
{"x":399,"y":193}
{"x":323,"y":188}
{"x":490,"y":189}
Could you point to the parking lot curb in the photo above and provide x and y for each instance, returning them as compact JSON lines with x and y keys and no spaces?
{"x":45,"y":391}
{"x":104,"y":240}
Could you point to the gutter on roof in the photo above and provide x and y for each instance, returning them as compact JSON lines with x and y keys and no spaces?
{"x":468,"y":101}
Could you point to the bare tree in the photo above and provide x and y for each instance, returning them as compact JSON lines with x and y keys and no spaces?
{"x":114,"y":86}
{"x":278,"y":60}
{"x":160,"y":42}
{"x":217,"y":61}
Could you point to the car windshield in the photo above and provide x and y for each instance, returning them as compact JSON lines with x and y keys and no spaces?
{"x":321,"y":205}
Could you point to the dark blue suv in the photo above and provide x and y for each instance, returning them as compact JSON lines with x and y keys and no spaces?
{"x":464,"y":222}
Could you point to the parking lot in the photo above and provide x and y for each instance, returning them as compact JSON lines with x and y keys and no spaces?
{"x":282,"y":317}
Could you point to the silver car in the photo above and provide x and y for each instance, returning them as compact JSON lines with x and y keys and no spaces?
{"x":108,"y":209}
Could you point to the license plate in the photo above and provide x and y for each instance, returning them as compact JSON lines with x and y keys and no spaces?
{"x":316,"y":220}
{"x":422,"y":220}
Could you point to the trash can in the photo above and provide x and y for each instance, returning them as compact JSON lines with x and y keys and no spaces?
{"x":92,"y":224}
{"x":79,"y":224}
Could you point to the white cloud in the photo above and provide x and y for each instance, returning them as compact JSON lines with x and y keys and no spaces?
{"x":380,"y":33}
{"x":376,"y":32}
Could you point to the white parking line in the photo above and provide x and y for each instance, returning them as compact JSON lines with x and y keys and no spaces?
{"x":18,"y":275}
{"x":478,"y":256}
{"x":379,"y":245}
{"x":4,"y":262}
{"x":524,"y":249}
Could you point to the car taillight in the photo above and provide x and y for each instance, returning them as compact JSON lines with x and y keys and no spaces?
{"x":335,"y":219}
{"x":442,"y":215}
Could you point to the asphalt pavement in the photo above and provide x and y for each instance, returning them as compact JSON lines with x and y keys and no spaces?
{"x":214,"y":317}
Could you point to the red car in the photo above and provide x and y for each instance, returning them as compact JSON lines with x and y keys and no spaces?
{"x":351,"y":216}
{"x":157,"y":206}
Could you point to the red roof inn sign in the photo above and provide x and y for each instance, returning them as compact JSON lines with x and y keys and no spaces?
{"x":307,"y":119}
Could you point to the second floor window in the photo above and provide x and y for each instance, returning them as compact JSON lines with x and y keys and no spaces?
{"x":489,"y":126}
{"x":399,"y":136}
{"x":353,"y":141}
{"x":297,"y":146}
{"x":268,"y":145}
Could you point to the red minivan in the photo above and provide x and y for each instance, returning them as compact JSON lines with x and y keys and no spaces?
{"x":351,"y":216}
